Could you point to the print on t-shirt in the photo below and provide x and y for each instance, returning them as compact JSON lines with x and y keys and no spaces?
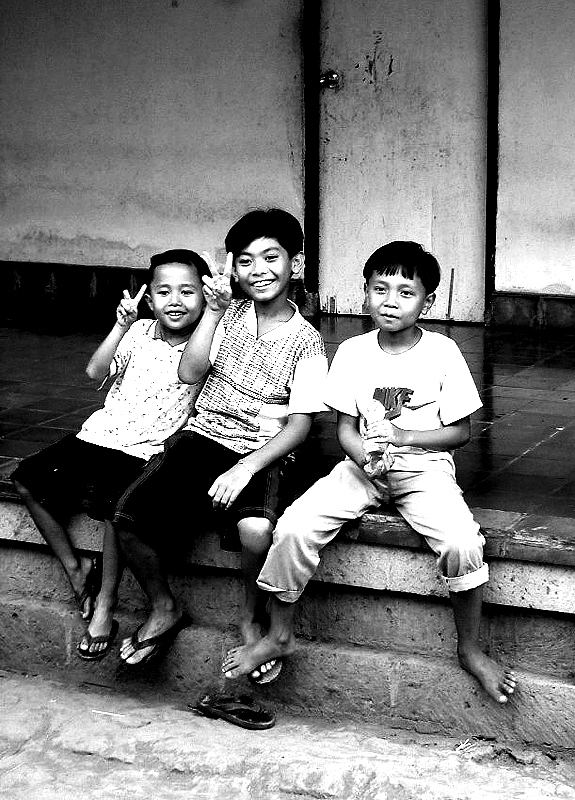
{"x":393,"y":400}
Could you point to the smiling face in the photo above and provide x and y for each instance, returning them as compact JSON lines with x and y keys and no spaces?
{"x":176,"y":299}
{"x":263,"y":270}
{"x":395,"y":302}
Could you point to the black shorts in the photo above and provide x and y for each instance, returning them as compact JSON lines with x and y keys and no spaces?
{"x":71,"y":476}
{"x":169,"y":503}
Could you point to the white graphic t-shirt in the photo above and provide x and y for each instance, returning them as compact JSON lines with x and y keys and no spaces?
{"x":422,"y":389}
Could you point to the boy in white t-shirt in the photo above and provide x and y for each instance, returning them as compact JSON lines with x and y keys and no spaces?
{"x":403,"y":398}
{"x":145,"y":405}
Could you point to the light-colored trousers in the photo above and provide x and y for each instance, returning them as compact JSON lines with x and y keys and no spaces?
{"x":430,"y":501}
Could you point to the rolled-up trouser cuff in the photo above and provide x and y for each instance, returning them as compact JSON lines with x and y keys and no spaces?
{"x":462,"y":583}
{"x":285,"y":595}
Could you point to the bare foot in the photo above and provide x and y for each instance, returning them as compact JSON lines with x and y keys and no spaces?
{"x":158,"y":622}
{"x":498,"y":682}
{"x":79,"y":580}
{"x":243,"y":660}
{"x":251,"y":631}
{"x":100,"y":625}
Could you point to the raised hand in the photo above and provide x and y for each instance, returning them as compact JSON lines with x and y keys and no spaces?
{"x":127,"y":311}
{"x":217,"y":287}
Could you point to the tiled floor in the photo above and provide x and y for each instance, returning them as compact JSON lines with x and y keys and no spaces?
{"x":521,"y":457}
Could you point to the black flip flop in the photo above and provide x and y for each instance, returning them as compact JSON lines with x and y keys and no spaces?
{"x":90,"y":590}
{"x":241,"y":710}
{"x":269,"y":676}
{"x":98,"y":654}
{"x":160,"y":644}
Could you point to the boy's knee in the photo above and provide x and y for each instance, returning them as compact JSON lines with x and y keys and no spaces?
{"x":255,"y":534}
{"x":461,"y":554}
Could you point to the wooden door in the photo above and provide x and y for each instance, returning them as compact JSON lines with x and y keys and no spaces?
{"x":403,"y":144}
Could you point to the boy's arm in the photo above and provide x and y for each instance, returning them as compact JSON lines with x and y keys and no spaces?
{"x":227,"y":486}
{"x":98,"y":366}
{"x":195,"y":360}
{"x":350,"y":438}
{"x":448,"y":437}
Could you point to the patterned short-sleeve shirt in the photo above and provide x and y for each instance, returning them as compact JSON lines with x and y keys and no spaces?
{"x":256,"y":382}
{"x":146,"y":402}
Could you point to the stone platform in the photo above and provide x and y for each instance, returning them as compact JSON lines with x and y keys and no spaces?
{"x":376,"y":635}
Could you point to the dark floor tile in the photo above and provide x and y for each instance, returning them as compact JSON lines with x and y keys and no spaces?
{"x":505,"y":501}
{"x":58,"y":405}
{"x":6,"y":428}
{"x":516,"y":483}
{"x":567,"y":490}
{"x":17,"y":449}
{"x":33,"y":389}
{"x":15,"y":399}
{"x":37,"y":433}
{"x":8,"y":465}
{"x":557,"y":506}
{"x":25,"y":416}
{"x":534,"y":464}
{"x":88,"y":393}
{"x":71,"y":422}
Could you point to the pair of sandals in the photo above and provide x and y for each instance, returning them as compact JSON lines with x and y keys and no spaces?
{"x":242,"y":710}
{"x":158,"y":644}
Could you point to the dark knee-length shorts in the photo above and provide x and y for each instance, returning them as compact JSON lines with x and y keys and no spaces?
{"x":71,"y":476}
{"x":169,"y":503}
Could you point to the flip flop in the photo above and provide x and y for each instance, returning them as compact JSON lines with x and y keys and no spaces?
{"x":160,"y":643}
{"x":269,"y":676}
{"x":98,"y":654}
{"x":241,"y":710}
{"x":90,"y":590}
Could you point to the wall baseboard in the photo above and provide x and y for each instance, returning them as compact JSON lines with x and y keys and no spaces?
{"x":517,"y":309}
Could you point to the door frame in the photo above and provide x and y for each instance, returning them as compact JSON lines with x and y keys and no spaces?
{"x":311,"y":33}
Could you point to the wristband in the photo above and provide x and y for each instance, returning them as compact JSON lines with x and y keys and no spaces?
{"x":243,"y":464}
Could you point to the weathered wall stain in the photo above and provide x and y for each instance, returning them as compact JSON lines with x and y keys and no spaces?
{"x":131,"y":127}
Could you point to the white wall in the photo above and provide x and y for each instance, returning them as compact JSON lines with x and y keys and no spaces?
{"x":536,"y":202}
{"x":129,"y":127}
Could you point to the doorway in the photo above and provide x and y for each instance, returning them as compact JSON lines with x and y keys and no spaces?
{"x":401,"y":132}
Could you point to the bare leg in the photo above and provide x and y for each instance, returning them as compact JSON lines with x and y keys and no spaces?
{"x":498,"y":682}
{"x":77,"y":568}
{"x":278,"y":642}
{"x":148,"y":570}
{"x":107,"y":599}
{"x":255,"y":536}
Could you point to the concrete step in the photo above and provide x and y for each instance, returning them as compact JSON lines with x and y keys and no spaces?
{"x":59,"y":741}
{"x":429,"y":695}
{"x":539,"y":641}
{"x":376,"y":632}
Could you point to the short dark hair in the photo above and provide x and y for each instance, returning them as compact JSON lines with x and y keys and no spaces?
{"x":272,"y":223}
{"x":178,"y":256}
{"x":409,"y":258}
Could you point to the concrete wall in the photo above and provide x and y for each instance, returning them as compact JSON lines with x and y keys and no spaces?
{"x":132,"y":126}
{"x":536,"y":202}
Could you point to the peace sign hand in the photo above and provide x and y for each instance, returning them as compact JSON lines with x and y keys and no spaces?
{"x":217,"y":287}
{"x":127,"y":311}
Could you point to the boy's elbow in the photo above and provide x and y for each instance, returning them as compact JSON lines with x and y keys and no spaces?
{"x":185,"y":375}
{"x":464,"y":437}
{"x":94,"y":373}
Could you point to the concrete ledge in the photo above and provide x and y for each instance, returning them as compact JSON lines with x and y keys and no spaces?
{"x":335,"y":681}
{"x":383,"y":554}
